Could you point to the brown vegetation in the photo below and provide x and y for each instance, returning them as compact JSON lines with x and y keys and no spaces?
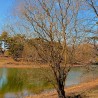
{"x":75,"y":90}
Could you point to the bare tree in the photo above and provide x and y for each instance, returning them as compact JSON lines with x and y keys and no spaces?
{"x":57,"y":33}
{"x":53,"y":22}
{"x":94,"y":6}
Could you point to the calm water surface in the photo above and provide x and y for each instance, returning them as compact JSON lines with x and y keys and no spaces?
{"x":22,"y":82}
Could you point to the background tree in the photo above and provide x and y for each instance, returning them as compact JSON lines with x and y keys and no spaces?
{"x":4,"y":38}
{"x":85,"y":53}
{"x":16,"y":45}
{"x":29,"y":52}
{"x":93,"y":5}
{"x":13,"y":44}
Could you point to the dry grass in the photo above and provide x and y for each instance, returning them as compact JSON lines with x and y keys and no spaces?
{"x":83,"y":87}
{"x":10,"y":63}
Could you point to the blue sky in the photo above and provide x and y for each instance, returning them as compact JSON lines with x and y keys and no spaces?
{"x":6,"y":7}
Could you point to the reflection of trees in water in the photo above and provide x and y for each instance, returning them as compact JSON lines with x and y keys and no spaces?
{"x":90,"y":73}
{"x":3,"y":77}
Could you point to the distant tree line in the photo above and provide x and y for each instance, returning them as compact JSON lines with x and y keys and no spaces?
{"x":19,"y":47}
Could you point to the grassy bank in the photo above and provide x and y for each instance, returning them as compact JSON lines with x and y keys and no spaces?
{"x":33,"y":80}
{"x":93,"y":93}
{"x":86,"y":90}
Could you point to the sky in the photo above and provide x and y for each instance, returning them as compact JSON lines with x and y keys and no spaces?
{"x":6,"y":10}
{"x":6,"y":7}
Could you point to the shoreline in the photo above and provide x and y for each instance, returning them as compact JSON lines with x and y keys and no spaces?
{"x":10,"y":63}
{"x":77,"y":89}
{"x":26,"y":65}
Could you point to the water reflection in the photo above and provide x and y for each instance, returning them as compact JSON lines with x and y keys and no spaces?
{"x":3,"y":77}
{"x":30,"y":81}
{"x":73,"y":78}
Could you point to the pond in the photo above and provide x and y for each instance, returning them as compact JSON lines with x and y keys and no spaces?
{"x":22,"y":82}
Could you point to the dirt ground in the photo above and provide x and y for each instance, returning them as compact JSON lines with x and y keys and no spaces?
{"x":10,"y":63}
{"x":78,"y":89}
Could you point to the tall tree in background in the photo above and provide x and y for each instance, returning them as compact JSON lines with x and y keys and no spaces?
{"x":93,"y":4}
{"x":13,"y":44}
{"x":16,"y":45}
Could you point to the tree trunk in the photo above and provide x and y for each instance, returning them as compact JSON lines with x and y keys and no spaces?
{"x":61,"y":92}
